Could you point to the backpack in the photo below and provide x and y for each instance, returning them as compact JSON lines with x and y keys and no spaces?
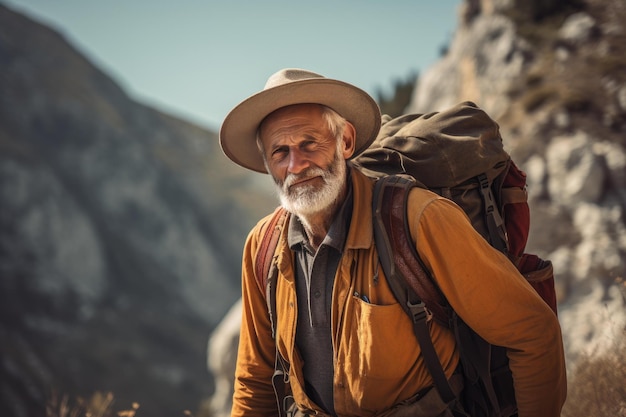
{"x":457,"y":153}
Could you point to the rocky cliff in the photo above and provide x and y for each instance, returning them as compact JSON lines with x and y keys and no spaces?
{"x":121,"y":229}
{"x":553,"y":74}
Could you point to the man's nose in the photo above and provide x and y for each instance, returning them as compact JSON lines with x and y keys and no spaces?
{"x":297,"y":162}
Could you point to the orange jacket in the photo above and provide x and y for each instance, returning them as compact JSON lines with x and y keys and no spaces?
{"x":377,"y":358}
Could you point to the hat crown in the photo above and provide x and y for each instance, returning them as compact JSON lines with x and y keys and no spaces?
{"x":289,"y":75}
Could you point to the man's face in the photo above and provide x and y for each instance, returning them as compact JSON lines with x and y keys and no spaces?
{"x":303,"y":157}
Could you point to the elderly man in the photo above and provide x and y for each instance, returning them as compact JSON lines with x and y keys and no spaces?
{"x":347,"y":344}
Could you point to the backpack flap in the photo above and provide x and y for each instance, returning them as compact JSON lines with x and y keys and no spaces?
{"x":461,"y":143}
{"x":457,"y":153}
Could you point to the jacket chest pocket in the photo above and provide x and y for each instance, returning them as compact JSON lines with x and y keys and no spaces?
{"x":380,"y":341}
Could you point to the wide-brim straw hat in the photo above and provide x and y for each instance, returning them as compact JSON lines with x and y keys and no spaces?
{"x":296,"y":86}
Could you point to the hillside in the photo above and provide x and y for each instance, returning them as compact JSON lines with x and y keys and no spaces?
{"x":121,"y":233}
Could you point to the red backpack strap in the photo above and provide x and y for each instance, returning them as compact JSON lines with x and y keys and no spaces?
{"x":396,"y":252}
{"x":266,"y":277}
{"x":514,"y":203}
{"x":266,"y":250}
{"x":408,"y":279}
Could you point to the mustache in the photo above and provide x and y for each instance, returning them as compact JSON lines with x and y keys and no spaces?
{"x":292,"y":179}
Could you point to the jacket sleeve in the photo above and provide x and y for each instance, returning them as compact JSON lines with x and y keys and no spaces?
{"x":493,"y":298}
{"x":253,"y":391}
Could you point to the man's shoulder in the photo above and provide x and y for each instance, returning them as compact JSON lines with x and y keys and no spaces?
{"x":426,"y":204}
{"x":420,"y":197}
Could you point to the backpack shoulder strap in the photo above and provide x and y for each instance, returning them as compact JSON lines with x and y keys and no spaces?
{"x":265,"y":270}
{"x":493,"y":218}
{"x":266,"y":274}
{"x":411,"y":281}
{"x":397,"y":253}
{"x":411,"y":284}
{"x":266,"y":250}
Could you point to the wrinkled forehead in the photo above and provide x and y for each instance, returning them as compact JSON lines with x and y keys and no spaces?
{"x":295,"y":117}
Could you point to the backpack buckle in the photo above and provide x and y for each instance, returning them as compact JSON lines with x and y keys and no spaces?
{"x":418,"y":311}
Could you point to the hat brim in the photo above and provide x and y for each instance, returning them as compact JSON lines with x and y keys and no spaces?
{"x":239,"y":129}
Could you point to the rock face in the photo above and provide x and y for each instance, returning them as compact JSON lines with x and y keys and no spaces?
{"x":554,"y":81}
{"x":122,"y":230}
{"x":553,"y":74}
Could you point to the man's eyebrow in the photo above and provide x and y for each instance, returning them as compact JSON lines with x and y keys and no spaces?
{"x":307,"y":132}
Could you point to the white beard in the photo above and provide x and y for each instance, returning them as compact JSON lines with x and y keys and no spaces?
{"x":304,"y":200}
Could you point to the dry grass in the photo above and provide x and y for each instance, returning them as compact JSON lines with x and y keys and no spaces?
{"x":597,"y":386}
{"x":99,"y":405}
{"x":538,"y":96}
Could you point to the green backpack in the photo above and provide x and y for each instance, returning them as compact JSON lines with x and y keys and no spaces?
{"x":457,"y":153}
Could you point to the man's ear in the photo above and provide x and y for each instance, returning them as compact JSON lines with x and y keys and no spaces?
{"x":349,"y":140}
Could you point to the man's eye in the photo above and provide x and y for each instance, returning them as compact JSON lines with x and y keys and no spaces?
{"x":279,"y":153}
{"x":308,"y":145}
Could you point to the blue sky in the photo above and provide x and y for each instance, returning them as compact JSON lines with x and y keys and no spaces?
{"x":198,"y":58}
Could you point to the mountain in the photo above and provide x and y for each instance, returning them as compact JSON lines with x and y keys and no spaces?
{"x":121,"y":233}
